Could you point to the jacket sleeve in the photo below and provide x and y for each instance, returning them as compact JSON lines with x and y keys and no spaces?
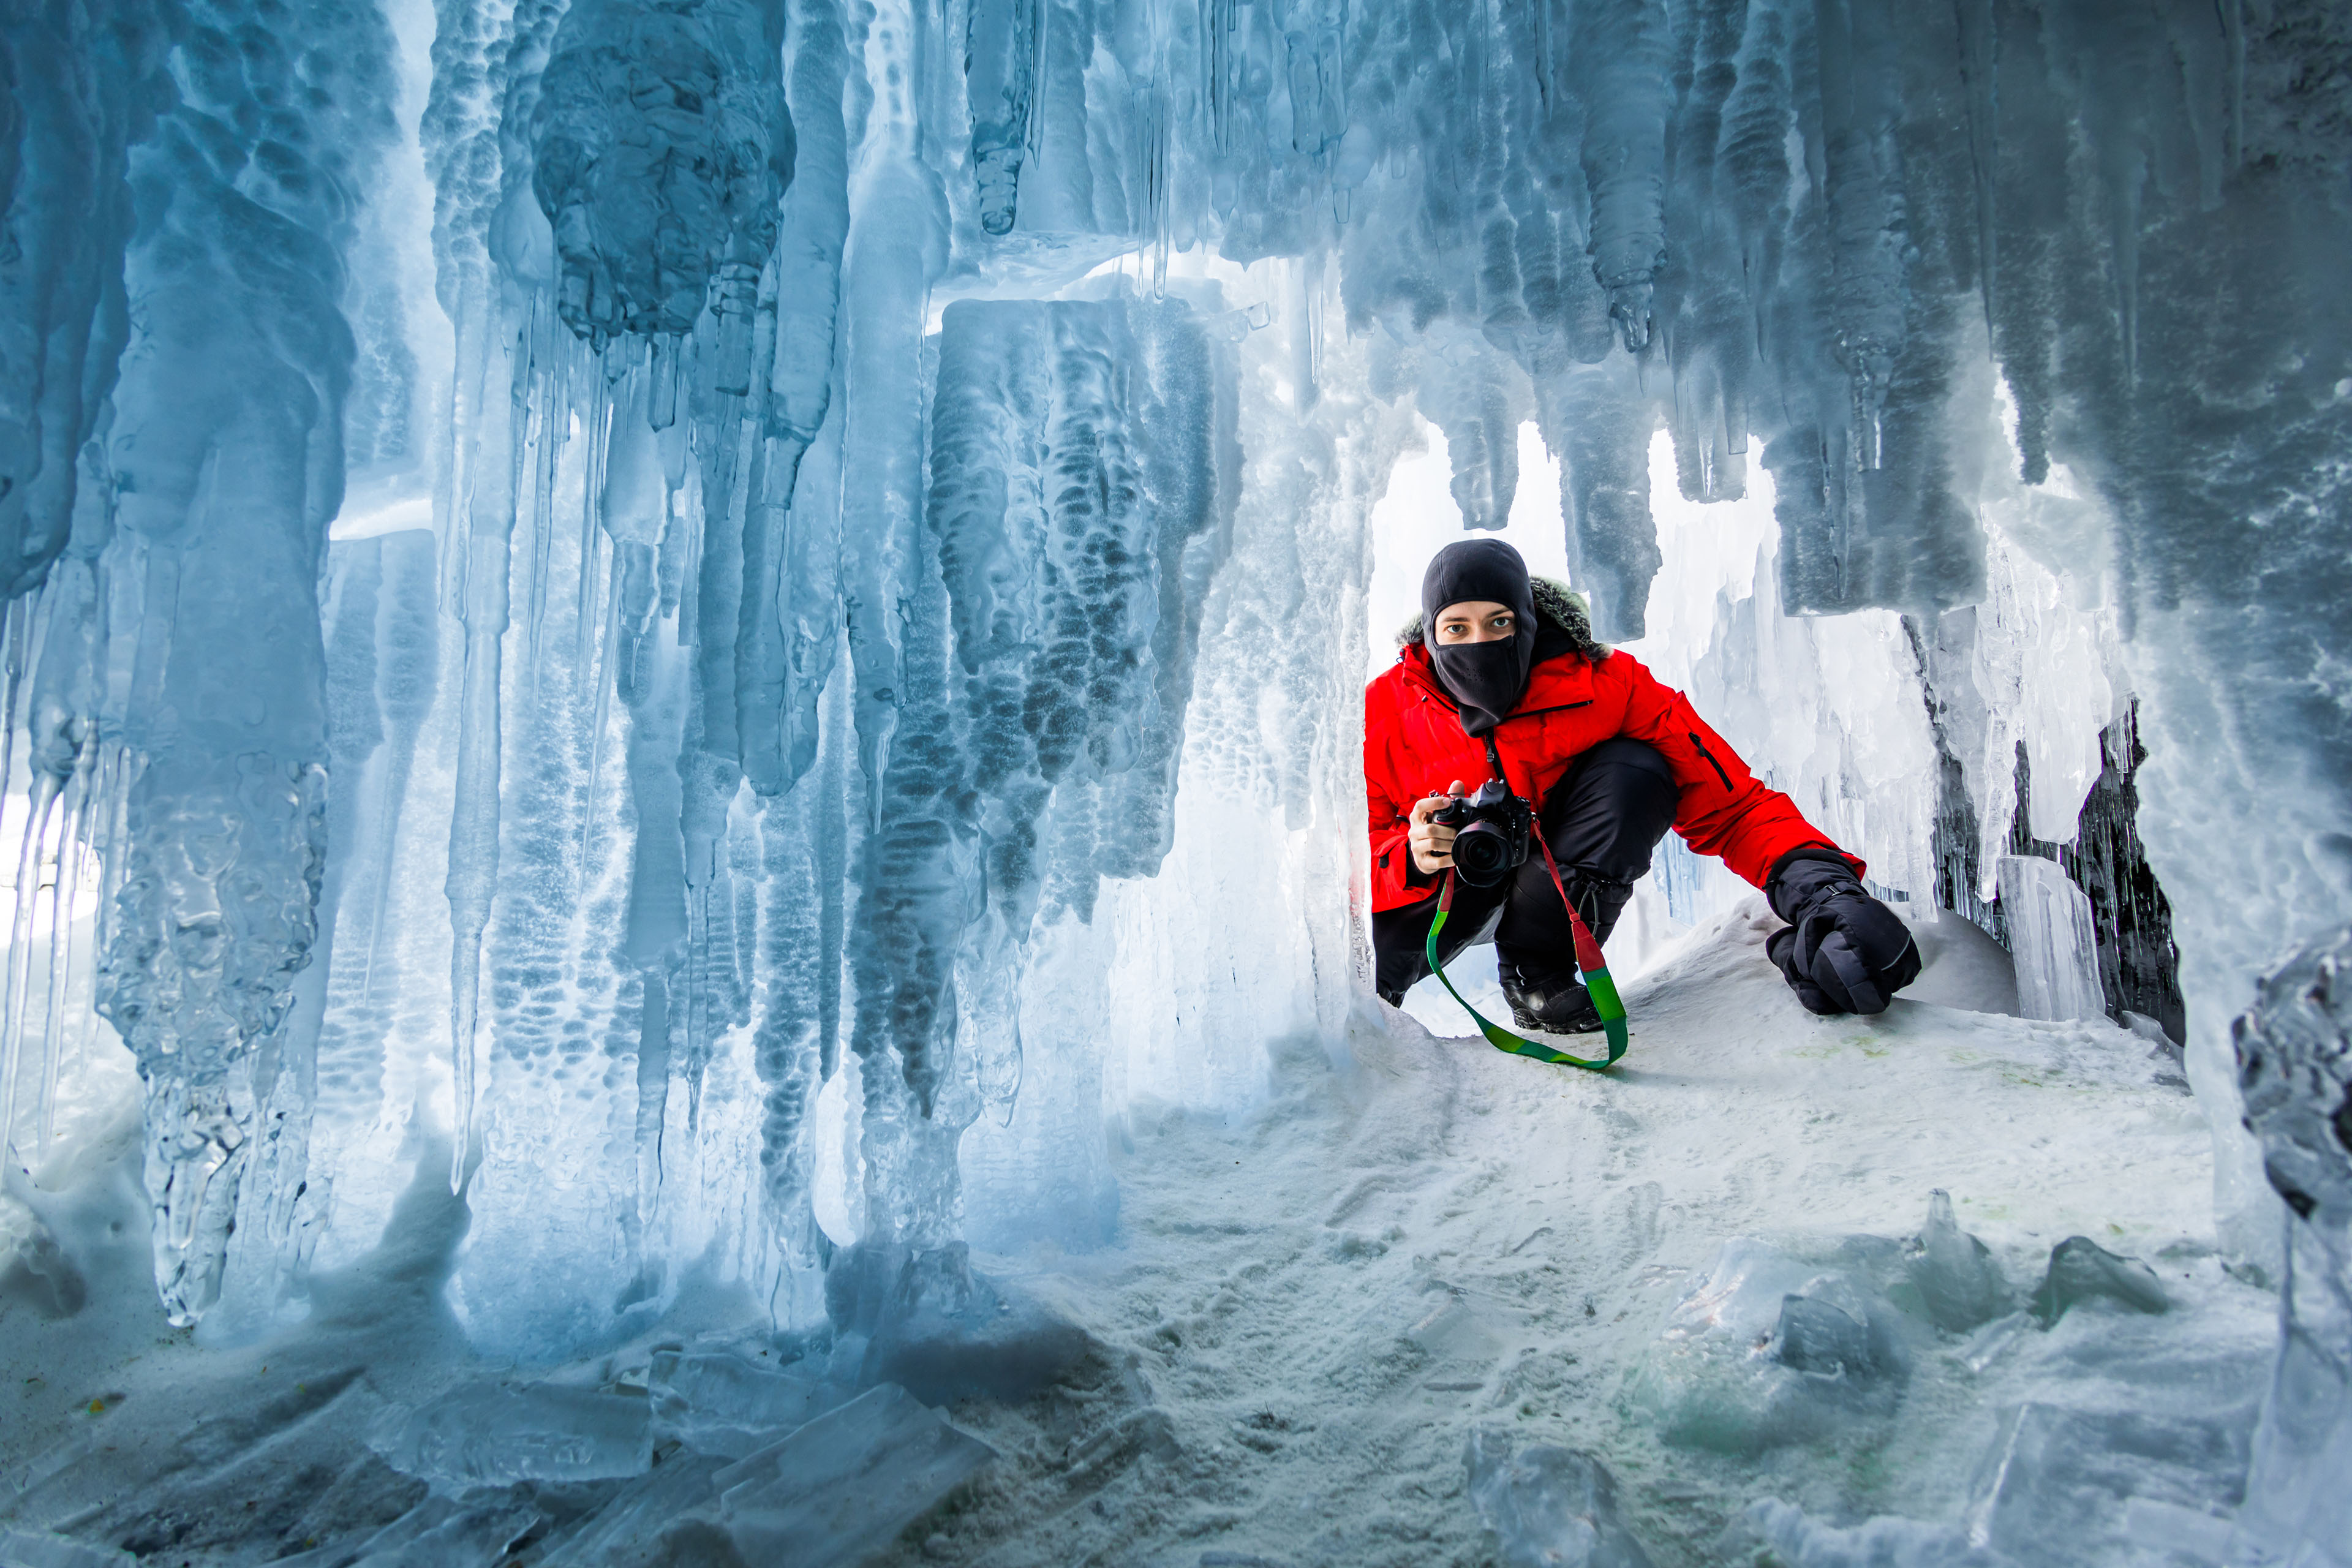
{"x":1392,"y":855}
{"x":1726,"y":811}
{"x":1388,"y":818}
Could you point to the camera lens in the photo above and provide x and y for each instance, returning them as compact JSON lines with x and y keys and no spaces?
{"x":1482,"y":854}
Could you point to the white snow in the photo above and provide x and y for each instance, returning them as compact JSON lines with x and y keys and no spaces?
{"x":1305,"y":1310}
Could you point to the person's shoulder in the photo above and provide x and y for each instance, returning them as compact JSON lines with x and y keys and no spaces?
{"x":1623,"y":666}
{"x":1389,"y":682}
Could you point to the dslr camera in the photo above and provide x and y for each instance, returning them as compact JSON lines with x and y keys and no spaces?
{"x":1491,"y":832}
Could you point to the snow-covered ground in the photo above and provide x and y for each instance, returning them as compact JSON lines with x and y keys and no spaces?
{"x":1308,"y":1313}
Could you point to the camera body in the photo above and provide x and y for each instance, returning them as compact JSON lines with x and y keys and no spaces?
{"x":1492,"y":829}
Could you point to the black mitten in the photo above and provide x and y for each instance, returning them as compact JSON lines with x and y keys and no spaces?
{"x":1844,"y":951}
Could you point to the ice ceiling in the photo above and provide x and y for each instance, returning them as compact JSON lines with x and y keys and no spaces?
{"x":599,"y":593}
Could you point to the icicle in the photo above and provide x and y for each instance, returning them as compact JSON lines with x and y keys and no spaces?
{"x":74,"y":830}
{"x":1003,"y":56}
{"x":597,"y":427}
{"x":40,"y":800}
{"x":109,"y":810}
{"x":12,"y":660}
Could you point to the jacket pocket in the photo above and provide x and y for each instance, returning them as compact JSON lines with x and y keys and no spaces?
{"x":1711,"y":761}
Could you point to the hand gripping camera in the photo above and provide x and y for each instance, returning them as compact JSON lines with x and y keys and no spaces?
{"x":1492,"y":827}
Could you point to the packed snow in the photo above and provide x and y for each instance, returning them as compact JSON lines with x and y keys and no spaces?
{"x":1777,"y":1277}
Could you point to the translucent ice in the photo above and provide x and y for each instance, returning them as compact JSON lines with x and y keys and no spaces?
{"x":1548,"y":1507}
{"x":34,"y":1269}
{"x":2295,"y":1052}
{"x":439,"y":1533}
{"x":853,"y":571}
{"x":2050,"y":932}
{"x":2055,"y":1479}
{"x":493,"y":1434}
{"x":847,"y":1481}
{"x":730,"y":1402}
{"x":929,"y":1321}
{"x":2082,"y":1270}
{"x":1803,"y":1542}
{"x":1957,"y":1280}
{"x":1765,"y":1348}
{"x":21,"y":1548}
{"x":671,"y":1506}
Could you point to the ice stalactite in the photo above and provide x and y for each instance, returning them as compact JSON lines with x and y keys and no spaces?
{"x":1074,"y":498}
{"x":1047,"y":663}
{"x":791,"y":558}
{"x":1001,"y":73}
{"x":75,"y":79}
{"x":1619,"y":50}
{"x":225,"y":459}
{"x":660,"y":146}
{"x":1595,"y":419}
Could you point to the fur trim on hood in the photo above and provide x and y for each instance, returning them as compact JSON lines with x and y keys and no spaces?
{"x":1559,"y":605}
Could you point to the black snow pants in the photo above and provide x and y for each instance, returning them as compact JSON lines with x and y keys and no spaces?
{"x":1602,"y":820}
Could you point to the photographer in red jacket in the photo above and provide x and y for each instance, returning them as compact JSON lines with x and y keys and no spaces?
{"x":1500,"y":680}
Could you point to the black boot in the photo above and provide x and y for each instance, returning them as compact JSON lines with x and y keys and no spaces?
{"x":1561,"y":1007}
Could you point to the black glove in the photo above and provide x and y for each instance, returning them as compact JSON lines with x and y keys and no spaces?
{"x":1844,"y":951}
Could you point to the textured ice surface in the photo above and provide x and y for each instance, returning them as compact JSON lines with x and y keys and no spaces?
{"x":759,"y":535}
{"x":1548,"y":1507}
{"x":1311,"y":1308}
{"x":41,"y":1549}
{"x":730,"y":1402}
{"x":491,"y":1434}
{"x":929,"y":1321}
{"x":845,"y":1483}
{"x":2295,"y":1052}
{"x":2082,"y":1270}
{"x":34,"y":1269}
{"x":1764,"y":1348}
{"x":2050,"y":932}
{"x":1957,"y":1279}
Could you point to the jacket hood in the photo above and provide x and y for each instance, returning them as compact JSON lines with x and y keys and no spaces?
{"x":1558,"y":605}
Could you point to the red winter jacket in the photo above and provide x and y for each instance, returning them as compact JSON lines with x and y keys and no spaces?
{"x":1413,"y":746}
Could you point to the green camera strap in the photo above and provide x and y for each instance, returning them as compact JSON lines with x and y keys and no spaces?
{"x":1588,"y":963}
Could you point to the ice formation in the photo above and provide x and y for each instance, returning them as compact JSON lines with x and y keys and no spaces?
{"x":732,"y":626}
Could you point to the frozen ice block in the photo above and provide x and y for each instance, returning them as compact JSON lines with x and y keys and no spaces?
{"x":494,"y":1434}
{"x":2051,"y":937}
{"x":847,"y":1481}
{"x":1548,"y":1507}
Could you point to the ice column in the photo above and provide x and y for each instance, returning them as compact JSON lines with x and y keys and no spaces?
{"x":78,"y":89}
{"x":1069,"y":540}
{"x":226,"y":457}
{"x":2051,"y":936}
{"x":2294,"y":1065}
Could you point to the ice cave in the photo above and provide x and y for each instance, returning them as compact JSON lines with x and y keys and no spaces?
{"x":689,"y":869}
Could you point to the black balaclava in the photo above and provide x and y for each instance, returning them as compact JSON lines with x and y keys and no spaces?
{"x":1487,"y":679}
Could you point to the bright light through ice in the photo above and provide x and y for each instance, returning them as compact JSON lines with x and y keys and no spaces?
{"x":840,"y":1174}
{"x":1710,"y":551}
{"x":1417,"y":518}
{"x":13,"y":812}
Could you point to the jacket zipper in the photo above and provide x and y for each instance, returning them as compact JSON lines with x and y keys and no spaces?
{"x":1710,"y":760}
{"x":1555,"y":708}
